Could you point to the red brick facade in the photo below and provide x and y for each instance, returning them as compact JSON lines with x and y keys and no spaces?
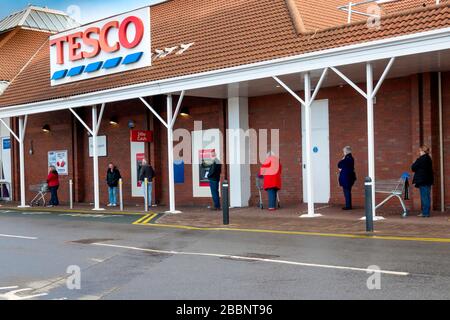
{"x":405,"y":116}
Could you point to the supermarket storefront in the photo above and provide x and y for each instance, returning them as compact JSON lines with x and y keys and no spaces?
{"x":129,"y":86}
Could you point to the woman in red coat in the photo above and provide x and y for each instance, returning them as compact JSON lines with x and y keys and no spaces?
{"x":53,"y":185}
{"x":271,"y":170}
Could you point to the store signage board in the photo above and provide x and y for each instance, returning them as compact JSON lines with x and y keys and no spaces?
{"x":141,"y":136}
{"x":117,"y":44}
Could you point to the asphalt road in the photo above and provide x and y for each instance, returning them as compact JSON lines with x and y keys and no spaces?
{"x":40,"y":255}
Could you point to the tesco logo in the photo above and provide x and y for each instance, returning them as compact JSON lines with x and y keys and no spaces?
{"x":117,"y":44}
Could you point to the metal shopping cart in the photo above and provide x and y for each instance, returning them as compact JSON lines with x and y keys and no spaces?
{"x":398,"y":188}
{"x":260,"y":186}
{"x":41,"y":190}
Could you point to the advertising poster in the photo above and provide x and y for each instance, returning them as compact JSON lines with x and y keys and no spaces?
{"x":101,"y":146}
{"x":204,"y":144}
{"x":139,"y":158}
{"x":59,"y":160}
{"x":205,"y":159}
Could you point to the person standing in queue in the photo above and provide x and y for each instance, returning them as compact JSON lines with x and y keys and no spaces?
{"x":53,"y":185}
{"x":112,"y":179}
{"x":271,"y":171}
{"x":214,"y":173}
{"x":347,"y":176}
{"x":147,"y":172}
{"x":424,"y":179}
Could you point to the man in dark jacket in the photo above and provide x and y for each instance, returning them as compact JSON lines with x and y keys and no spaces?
{"x":424,"y":179}
{"x":112,"y":179}
{"x":147,"y":171}
{"x":347,"y":176}
{"x":214,"y":180}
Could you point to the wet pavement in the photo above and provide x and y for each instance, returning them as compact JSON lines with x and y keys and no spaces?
{"x":116,"y":259}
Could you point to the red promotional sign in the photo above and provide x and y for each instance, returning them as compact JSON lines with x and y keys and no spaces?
{"x":141,"y":136}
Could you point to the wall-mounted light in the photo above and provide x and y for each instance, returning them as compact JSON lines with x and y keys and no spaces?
{"x":114,"y":121}
{"x":46,"y":128}
{"x":31,"y":150}
{"x":184,"y":112}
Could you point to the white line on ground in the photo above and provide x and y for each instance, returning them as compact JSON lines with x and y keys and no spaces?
{"x":216,"y":255}
{"x":17,"y":237}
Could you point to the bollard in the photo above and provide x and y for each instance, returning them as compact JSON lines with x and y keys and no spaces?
{"x":225,"y":203}
{"x":368,"y":185}
{"x":71,"y":193}
{"x":146,"y":194}
{"x":121,"y":193}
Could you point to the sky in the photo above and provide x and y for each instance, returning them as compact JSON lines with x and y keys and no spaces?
{"x":82,"y":10}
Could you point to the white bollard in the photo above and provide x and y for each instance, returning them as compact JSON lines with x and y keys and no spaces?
{"x":146,"y":194}
{"x":71,"y":193}
{"x":121,"y":194}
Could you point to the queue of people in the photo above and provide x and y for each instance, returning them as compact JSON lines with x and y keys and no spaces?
{"x":270,"y":171}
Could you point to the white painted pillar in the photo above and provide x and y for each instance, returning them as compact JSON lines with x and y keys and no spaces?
{"x":170,"y":156}
{"x":371,"y":131}
{"x":238,"y":152}
{"x":22,"y":162}
{"x":95,"y":123}
{"x":308,"y":138}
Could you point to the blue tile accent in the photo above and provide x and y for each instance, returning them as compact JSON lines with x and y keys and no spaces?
{"x":112,"y":63}
{"x":95,"y":66}
{"x":59,"y":74}
{"x":133,"y":58}
{"x":76,"y":71}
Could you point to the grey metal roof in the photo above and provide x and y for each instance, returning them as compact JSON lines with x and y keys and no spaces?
{"x":40,"y":19}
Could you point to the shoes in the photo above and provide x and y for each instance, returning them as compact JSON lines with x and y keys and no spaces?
{"x":272,"y":209}
{"x":423,"y":216}
{"x":347,"y":209}
{"x":50,"y":206}
{"x":109,"y":205}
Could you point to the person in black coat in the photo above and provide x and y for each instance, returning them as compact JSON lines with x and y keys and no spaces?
{"x":347,"y":176}
{"x":112,"y":179}
{"x":424,"y":179}
{"x":214,"y":173}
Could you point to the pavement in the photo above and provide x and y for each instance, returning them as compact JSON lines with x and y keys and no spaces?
{"x":46,"y":255}
{"x":333,"y":220}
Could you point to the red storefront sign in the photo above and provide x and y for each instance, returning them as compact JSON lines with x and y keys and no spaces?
{"x":141,"y":136}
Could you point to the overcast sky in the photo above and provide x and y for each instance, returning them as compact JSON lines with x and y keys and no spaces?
{"x":84,"y":10}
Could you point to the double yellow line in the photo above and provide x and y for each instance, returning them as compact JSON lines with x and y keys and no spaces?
{"x":145,"y":219}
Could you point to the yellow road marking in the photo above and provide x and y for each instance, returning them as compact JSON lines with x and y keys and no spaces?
{"x":57,"y":211}
{"x":142,"y":219}
{"x":335,"y":235}
{"x":145,"y":219}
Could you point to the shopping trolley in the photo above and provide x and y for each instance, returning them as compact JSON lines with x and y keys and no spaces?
{"x":260,"y":187}
{"x":41,"y":190}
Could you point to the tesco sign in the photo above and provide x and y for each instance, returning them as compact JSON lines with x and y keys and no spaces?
{"x":117,"y":44}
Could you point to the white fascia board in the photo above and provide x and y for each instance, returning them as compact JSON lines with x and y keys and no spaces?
{"x":418,"y":43}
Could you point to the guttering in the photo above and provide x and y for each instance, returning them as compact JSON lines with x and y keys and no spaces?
{"x":424,"y":42}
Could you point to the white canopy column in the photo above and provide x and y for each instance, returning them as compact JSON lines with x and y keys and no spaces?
{"x":20,"y":139}
{"x":238,"y":152}
{"x":307,"y":103}
{"x":171,"y":119}
{"x":370,"y":96}
{"x":96,"y":121}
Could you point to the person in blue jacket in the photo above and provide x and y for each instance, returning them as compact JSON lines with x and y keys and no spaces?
{"x":347,"y":176}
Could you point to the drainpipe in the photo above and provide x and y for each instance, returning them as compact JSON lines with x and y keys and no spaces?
{"x":441,"y":142}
